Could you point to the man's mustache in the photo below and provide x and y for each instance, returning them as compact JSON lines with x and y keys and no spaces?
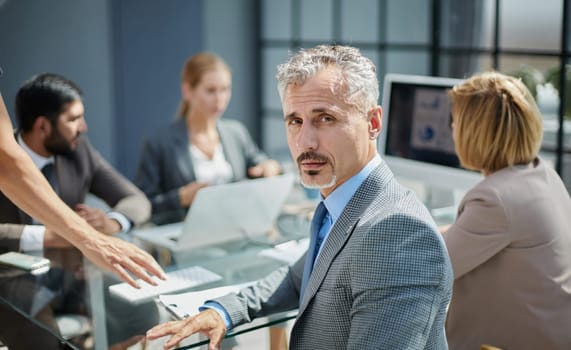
{"x":78,"y":136}
{"x":312,"y":156}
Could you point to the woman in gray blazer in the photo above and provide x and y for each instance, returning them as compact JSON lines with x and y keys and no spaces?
{"x":198,"y":149}
{"x":510,"y":246}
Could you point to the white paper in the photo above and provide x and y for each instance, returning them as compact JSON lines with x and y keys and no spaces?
{"x":288,"y":252}
{"x":186,"y":304}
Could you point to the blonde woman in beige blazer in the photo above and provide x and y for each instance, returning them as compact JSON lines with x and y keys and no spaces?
{"x":510,"y":246}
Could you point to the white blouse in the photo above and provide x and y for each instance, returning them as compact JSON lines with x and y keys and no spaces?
{"x":213,"y":171}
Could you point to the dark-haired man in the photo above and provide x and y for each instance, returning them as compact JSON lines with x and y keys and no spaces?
{"x":51,"y":124}
{"x":21,"y":182}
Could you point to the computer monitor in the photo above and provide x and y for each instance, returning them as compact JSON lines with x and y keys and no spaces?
{"x":416,"y":140}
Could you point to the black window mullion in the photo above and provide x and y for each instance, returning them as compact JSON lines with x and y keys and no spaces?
{"x":562,"y":87}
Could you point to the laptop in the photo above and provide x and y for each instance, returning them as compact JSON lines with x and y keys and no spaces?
{"x":224,"y":213}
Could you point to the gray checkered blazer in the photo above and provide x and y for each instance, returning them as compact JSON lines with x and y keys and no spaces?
{"x":383,"y":279}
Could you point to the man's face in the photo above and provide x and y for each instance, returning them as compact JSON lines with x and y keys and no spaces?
{"x":329,"y":139}
{"x":64,"y":136}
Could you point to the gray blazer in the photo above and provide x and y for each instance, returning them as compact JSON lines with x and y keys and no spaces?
{"x":383,"y":279}
{"x":82,"y":171}
{"x":165,"y":164}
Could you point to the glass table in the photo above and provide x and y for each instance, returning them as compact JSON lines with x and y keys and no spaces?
{"x":70,"y":304}
{"x":27,"y":316}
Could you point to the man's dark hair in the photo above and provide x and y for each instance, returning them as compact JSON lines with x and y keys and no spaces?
{"x":44,"y":94}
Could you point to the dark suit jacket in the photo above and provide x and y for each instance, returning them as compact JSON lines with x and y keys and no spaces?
{"x":81,"y":172}
{"x":383,"y":279}
{"x":165,"y":164}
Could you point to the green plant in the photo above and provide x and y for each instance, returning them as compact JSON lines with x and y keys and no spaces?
{"x":552,"y":77}
{"x":530,"y":77}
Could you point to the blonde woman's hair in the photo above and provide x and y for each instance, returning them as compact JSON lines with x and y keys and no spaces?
{"x":193,"y":71}
{"x":496,"y":122}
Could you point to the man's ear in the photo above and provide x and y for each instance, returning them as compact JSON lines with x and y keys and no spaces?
{"x":375,"y":117}
{"x":42,"y":126}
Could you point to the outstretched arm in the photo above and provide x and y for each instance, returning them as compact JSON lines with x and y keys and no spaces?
{"x":23,"y":183}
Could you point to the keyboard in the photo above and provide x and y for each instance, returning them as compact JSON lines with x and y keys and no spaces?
{"x":176,"y":280}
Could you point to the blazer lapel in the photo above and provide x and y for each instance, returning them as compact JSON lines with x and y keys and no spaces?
{"x":344,"y":228}
{"x":232,"y":152}
{"x":181,"y":143}
{"x":67,"y":178}
{"x":335,"y":242}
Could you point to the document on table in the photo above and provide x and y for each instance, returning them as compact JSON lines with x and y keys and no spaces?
{"x":288,"y":252}
{"x":186,"y":304}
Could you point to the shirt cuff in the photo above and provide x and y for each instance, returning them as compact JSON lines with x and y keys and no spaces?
{"x":32,"y":238}
{"x":121,"y":219}
{"x":220,"y":309}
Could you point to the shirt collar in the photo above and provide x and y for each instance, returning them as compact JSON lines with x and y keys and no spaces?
{"x":338,"y":199}
{"x":39,"y":161}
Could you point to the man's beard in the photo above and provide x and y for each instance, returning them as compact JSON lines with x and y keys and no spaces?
{"x":57,"y":144}
{"x":320,"y":158}
{"x":319,"y":186}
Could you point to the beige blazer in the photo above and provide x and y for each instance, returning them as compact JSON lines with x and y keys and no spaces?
{"x":510,"y":249}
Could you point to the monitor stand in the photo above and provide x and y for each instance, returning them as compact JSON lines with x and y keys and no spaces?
{"x":443,"y":204}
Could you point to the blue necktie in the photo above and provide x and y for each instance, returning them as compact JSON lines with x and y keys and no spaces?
{"x":320,"y":226}
{"x":321,"y":234}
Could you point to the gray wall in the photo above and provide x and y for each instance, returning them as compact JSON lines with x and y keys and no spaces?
{"x":231,"y":33}
{"x":68,"y":37}
{"x":151,"y":43}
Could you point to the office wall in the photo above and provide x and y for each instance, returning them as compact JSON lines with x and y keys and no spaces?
{"x":68,"y":37}
{"x":152,"y":40}
{"x":230,"y":31}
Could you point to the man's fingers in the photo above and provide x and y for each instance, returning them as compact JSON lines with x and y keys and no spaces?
{"x":182,"y":330}
{"x":173,"y":341}
{"x":178,"y":330}
{"x":216,"y":328}
{"x":215,"y":339}
{"x":174,"y":328}
{"x":207,"y":322}
{"x":161,"y":330}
